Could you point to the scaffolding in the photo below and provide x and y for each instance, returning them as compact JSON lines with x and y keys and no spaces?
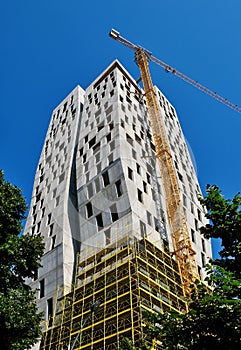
{"x":113,"y":287}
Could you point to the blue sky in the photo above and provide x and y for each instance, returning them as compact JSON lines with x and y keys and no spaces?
{"x":50,"y":46}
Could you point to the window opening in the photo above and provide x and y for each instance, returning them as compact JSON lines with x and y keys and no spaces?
{"x":106,"y":179}
{"x":99,"y":221}
{"x":130,"y":173}
{"x":114,"y":213}
{"x":41,"y":288}
{"x":140,"y":195}
{"x":89,"y":210}
{"x":118,"y":188}
{"x":53,"y":242}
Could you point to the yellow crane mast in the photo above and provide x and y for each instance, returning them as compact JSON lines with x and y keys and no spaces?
{"x":181,"y":239}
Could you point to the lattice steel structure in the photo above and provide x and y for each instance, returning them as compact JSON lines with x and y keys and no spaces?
{"x":124,"y":280}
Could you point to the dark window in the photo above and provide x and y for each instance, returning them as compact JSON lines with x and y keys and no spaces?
{"x":35,"y":277}
{"x":153,"y":146}
{"x":108,"y":137}
{"x":199,"y":215}
{"x":144,"y":186}
{"x":89,"y":210}
{"x":41,"y":178}
{"x":180,"y":176}
{"x":99,"y":221}
{"x":53,"y":242}
{"x":61,"y":178}
{"x":65,"y":106}
{"x":114,"y":213}
{"x":192,"y":208}
{"x":138,"y":168}
{"x":196,"y":224}
{"x":111,"y":125}
{"x":41,"y":288}
{"x":203,"y":245}
{"x":118,"y":188}
{"x":138,"y":139}
{"x":140,"y":195}
{"x":110,"y":158}
{"x":51,"y":228}
{"x":49,"y":219}
{"x":148,"y":178}
{"x":34,"y":209}
{"x":149,"y":218}
{"x":130,"y":173}
{"x":129,"y":139}
{"x":106,"y":179}
{"x":54,"y":192}
{"x":34,"y":219}
{"x":100,"y":126}
{"x":50,"y":310}
{"x":203,"y":259}
{"x":38,"y":197}
{"x":96,"y":147}
{"x":92,"y":142}
{"x":156,"y":224}
{"x":193,"y":235}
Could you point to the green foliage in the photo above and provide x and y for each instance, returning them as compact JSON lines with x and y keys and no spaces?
{"x":19,"y":258}
{"x":141,"y":344}
{"x":214,"y":317}
{"x":225,"y":224}
{"x":213,"y":322}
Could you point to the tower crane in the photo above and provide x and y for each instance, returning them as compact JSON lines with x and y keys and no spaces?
{"x":116,"y":35}
{"x":183,"y":250}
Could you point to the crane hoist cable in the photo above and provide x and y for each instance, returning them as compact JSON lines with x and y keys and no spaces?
{"x":183,"y":250}
{"x":116,"y":35}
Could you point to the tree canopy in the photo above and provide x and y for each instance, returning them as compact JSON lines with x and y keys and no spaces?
{"x":225,"y":224}
{"x":19,"y":259}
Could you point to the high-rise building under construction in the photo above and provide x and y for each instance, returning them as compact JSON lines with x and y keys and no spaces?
{"x":99,"y":202}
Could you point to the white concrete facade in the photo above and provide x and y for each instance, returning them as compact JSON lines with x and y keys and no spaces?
{"x":98,"y":179}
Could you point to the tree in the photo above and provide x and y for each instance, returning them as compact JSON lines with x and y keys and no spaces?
{"x":214,"y":317}
{"x":19,"y":259}
{"x":225,"y":224}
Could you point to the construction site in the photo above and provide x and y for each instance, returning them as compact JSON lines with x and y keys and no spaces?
{"x":118,"y":199}
{"x":113,"y":288}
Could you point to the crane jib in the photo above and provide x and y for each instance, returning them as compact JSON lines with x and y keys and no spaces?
{"x":116,"y":35}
